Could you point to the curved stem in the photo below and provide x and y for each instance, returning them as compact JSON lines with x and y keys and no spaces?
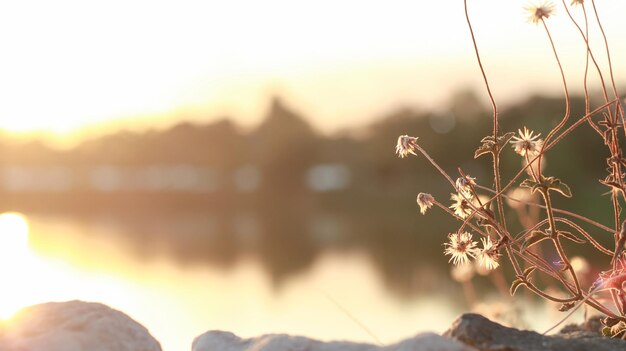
{"x":516,"y":266}
{"x":482,"y":70}
{"x":546,"y":148}
{"x":496,"y":172}
{"x":587,"y":299}
{"x":447,"y":210}
{"x":567,"y":100}
{"x":557,"y":241}
{"x":530,"y":230}
{"x":589,"y":54}
{"x":615,"y":150}
{"x":496,"y":161}
{"x":578,"y":123}
{"x":587,"y":236}
{"x":532,"y":171}
{"x":556,"y":210}
{"x":430,"y":159}
{"x":618,"y":109}
{"x":537,"y":291}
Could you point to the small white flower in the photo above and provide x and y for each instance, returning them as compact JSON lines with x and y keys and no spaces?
{"x":488,"y":255}
{"x":425,"y":201}
{"x":526,"y":143}
{"x":461,"y":205}
{"x":406,"y":145}
{"x":460,"y":247}
{"x":464,"y":186}
{"x":537,"y":13}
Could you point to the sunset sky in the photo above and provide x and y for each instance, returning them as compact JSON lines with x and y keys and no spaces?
{"x":178,"y":242}
{"x":75,"y":68}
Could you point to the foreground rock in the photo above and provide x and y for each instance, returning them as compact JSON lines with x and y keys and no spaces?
{"x":224,"y":341}
{"x":75,"y":326}
{"x":481,"y":333}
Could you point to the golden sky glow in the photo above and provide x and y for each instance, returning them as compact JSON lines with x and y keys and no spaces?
{"x":70,"y":66}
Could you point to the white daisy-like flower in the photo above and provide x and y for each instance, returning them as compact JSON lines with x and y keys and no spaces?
{"x":527,"y":143}
{"x":464,"y":185}
{"x":461,"y":205}
{"x":460,"y":247}
{"x":406,"y":145}
{"x":537,"y":13}
{"x":488,"y":256}
{"x":425,"y":201}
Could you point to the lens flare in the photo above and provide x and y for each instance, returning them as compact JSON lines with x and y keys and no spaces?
{"x":13,"y":236}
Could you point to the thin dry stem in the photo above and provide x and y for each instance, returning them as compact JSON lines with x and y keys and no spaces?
{"x":494,"y":106}
{"x":477,"y":216}
{"x":567,"y":99}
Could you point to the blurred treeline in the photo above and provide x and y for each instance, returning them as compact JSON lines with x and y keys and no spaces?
{"x":284,"y":221}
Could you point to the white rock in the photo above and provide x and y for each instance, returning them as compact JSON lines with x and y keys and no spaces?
{"x":429,"y":342}
{"x":74,"y":326}
{"x":224,"y":341}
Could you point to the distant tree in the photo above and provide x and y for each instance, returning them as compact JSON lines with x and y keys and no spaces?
{"x":284,"y":147}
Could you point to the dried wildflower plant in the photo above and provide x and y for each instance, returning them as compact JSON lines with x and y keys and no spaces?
{"x":531,"y":191}
{"x":425,"y":201}
{"x":526,"y":143}
{"x":460,"y":247}
{"x":537,"y":13}
{"x":406,"y":145}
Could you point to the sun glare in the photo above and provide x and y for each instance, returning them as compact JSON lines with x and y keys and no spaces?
{"x":165,"y":56}
{"x":14,"y":261}
{"x":13,"y":235}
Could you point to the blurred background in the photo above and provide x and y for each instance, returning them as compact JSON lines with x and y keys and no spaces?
{"x":230,"y":165}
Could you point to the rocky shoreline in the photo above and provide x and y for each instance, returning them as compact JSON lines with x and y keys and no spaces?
{"x":78,"y":326}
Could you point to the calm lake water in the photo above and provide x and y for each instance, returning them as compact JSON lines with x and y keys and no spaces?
{"x":179,"y":277}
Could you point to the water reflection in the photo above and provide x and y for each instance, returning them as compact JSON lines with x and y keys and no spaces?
{"x":181,"y":275}
{"x":15,"y":261}
{"x":93,"y":259}
{"x":285,"y":241}
{"x":13,"y":236}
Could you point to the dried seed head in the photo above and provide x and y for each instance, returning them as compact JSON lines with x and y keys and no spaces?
{"x":461,"y":205}
{"x":464,"y":185}
{"x":460,"y":247}
{"x":578,"y":2}
{"x":425,"y":201}
{"x":406,"y":145}
{"x":537,"y":13}
{"x":526,"y":143}
{"x":488,"y":256}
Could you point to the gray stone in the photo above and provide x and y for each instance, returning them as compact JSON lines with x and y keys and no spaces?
{"x":74,"y":326}
{"x":481,"y":333}
{"x":225,"y":341}
{"x":428,"y":342}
